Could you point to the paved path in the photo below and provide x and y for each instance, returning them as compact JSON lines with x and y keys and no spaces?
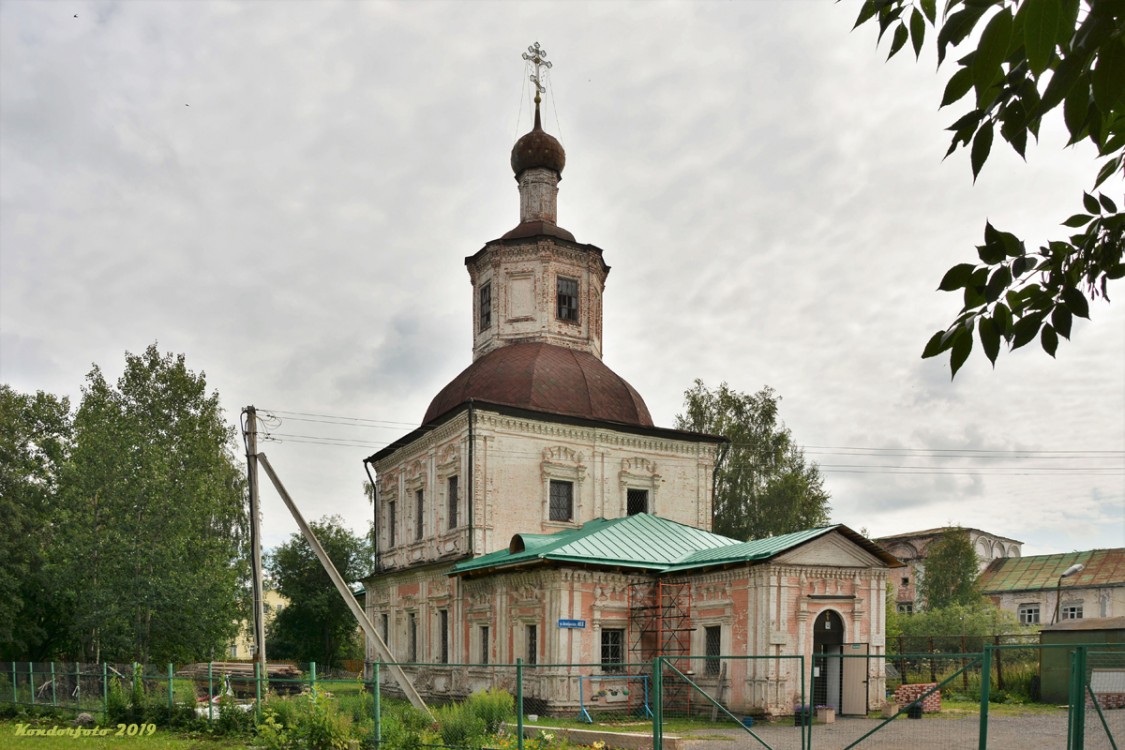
{"x":1033,"y":731}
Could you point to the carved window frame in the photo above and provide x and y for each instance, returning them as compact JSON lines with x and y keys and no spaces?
{"x":638,"y":473}
{"x":562,"y":464}
{"x":448,"y":467}
{"x":415,"y":481}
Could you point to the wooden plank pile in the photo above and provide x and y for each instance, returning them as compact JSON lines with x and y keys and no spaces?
{"x":283,"y":677}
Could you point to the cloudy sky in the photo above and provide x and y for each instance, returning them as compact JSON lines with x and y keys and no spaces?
{"x":286,"y":192}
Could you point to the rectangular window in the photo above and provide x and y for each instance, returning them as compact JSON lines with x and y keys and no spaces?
{"x":532,"y":656}
{"x":712,"y":647}
{"x":613,"y":650}
{"x":419,"y":512}
{"x":1029,"y":614}
{"x":1072,"y":612}
{"x":412,"y":637}
{"x":386,"y":629}
{"x":568,"y":298}
{"x":391,"y":522}
{"x":905,"y":581}
{"x":486,"y":307}
{"x":562,"y":501}
{"x":636,"y":501}
{"x":452,"y":498}
{"x":905,"y":608}
{"x":443,"y":636}
{"x":483,"y":644}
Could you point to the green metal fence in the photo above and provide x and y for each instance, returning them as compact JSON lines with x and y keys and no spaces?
{"x":835,"y":701}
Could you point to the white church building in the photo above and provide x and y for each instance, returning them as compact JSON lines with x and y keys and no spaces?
{"x":538,"y":493}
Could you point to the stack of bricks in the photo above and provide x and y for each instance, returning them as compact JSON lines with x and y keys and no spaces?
{"x":908,"y":694}
{"x":1107,"y":701}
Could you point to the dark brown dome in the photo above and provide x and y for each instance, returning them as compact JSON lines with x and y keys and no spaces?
{"x":546,"y":378}
{"x":538,"y":149}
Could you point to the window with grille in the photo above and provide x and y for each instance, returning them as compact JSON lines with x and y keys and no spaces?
{"x":1072,"y":612}
{"x":636,"y":501}
{"x":532,"y":655}
{"x":568,"y":298}
{"x":712,"y":648}
{"x":452,"y":498}
{"x":486,"y":307}
{"x":391,"y":521}
{"x":613,"y":650}
{"x":412,"y":637}
{"x":1029,"y":614}
{"x":443,"y":636}
{"x":484,"y":644}
{"x":419,"y":513}
{"x":562,"y":501}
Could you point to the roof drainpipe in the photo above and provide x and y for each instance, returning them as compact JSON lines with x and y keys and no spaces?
{"x":374,"y":517}
{"x":471,"y":473}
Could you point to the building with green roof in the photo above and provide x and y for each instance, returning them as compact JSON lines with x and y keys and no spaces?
{"x":1034,"y":589}
{"x":538,"y":514}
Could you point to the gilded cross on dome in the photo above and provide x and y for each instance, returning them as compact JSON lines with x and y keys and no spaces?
{"x":537,"y":56}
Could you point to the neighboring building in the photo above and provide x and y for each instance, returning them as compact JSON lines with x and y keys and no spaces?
{"x":911,"y":548}
{"x":1030,"y":587}
{"x":538,"y":494}
{"x":243,"y":646}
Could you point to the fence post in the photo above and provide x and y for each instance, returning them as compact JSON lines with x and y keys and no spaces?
{"x":806,"y":697}
{"x":933,"y":667}
{"x":15,"y":690}
{"x":519,"y":703}
{"x":54,"y":695}
{"x":985,"y":690}
{"x":312,"y":677}
{"x":171,"y":690}
{"x":105,"y":690}
{"x":210,"y":691}
{"x":658,"y":703}
{"x":1076,"y":725}
{"x":378,"y":708}
{"x":78,"y":684}
{"x":31,"y":680}
{"x":999,"y":665}
{"x":258,"y":689}
{"x":136,"y":683}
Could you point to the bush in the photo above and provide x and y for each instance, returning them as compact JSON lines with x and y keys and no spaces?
{"x":460,"y":726}
{"x":493,"y":707}
{"x":307,"y":722}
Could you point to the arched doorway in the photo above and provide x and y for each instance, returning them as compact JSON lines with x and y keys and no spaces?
{"x":828,"y":644}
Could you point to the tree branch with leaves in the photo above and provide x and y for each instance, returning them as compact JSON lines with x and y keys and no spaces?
{"x":1031,"y":57}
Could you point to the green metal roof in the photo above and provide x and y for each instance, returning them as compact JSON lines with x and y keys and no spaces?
{"x":640,"y":541}
{"x":1104,"y":567}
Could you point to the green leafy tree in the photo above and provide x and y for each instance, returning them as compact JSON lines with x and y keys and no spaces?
{"x":153,"y":517}
{"x":316,"y":625}
{"x":763,"y":486}
{"x":953,"y":628}
{"x":950,"y":575}
{"x":34,"y":445}
{"x":1025,"y":59}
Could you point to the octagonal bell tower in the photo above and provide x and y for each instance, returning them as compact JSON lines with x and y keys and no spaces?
{"x":536,"y":284}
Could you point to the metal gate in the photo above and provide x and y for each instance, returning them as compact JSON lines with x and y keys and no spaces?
{"x":1097,"y":699}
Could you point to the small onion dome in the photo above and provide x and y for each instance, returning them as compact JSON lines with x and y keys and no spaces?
{"x":538,"y":149}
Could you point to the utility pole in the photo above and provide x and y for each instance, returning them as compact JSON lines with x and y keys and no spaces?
{"x":255,"y":536}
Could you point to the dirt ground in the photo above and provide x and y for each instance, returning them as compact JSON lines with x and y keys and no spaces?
{"x":1034,"y":731}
